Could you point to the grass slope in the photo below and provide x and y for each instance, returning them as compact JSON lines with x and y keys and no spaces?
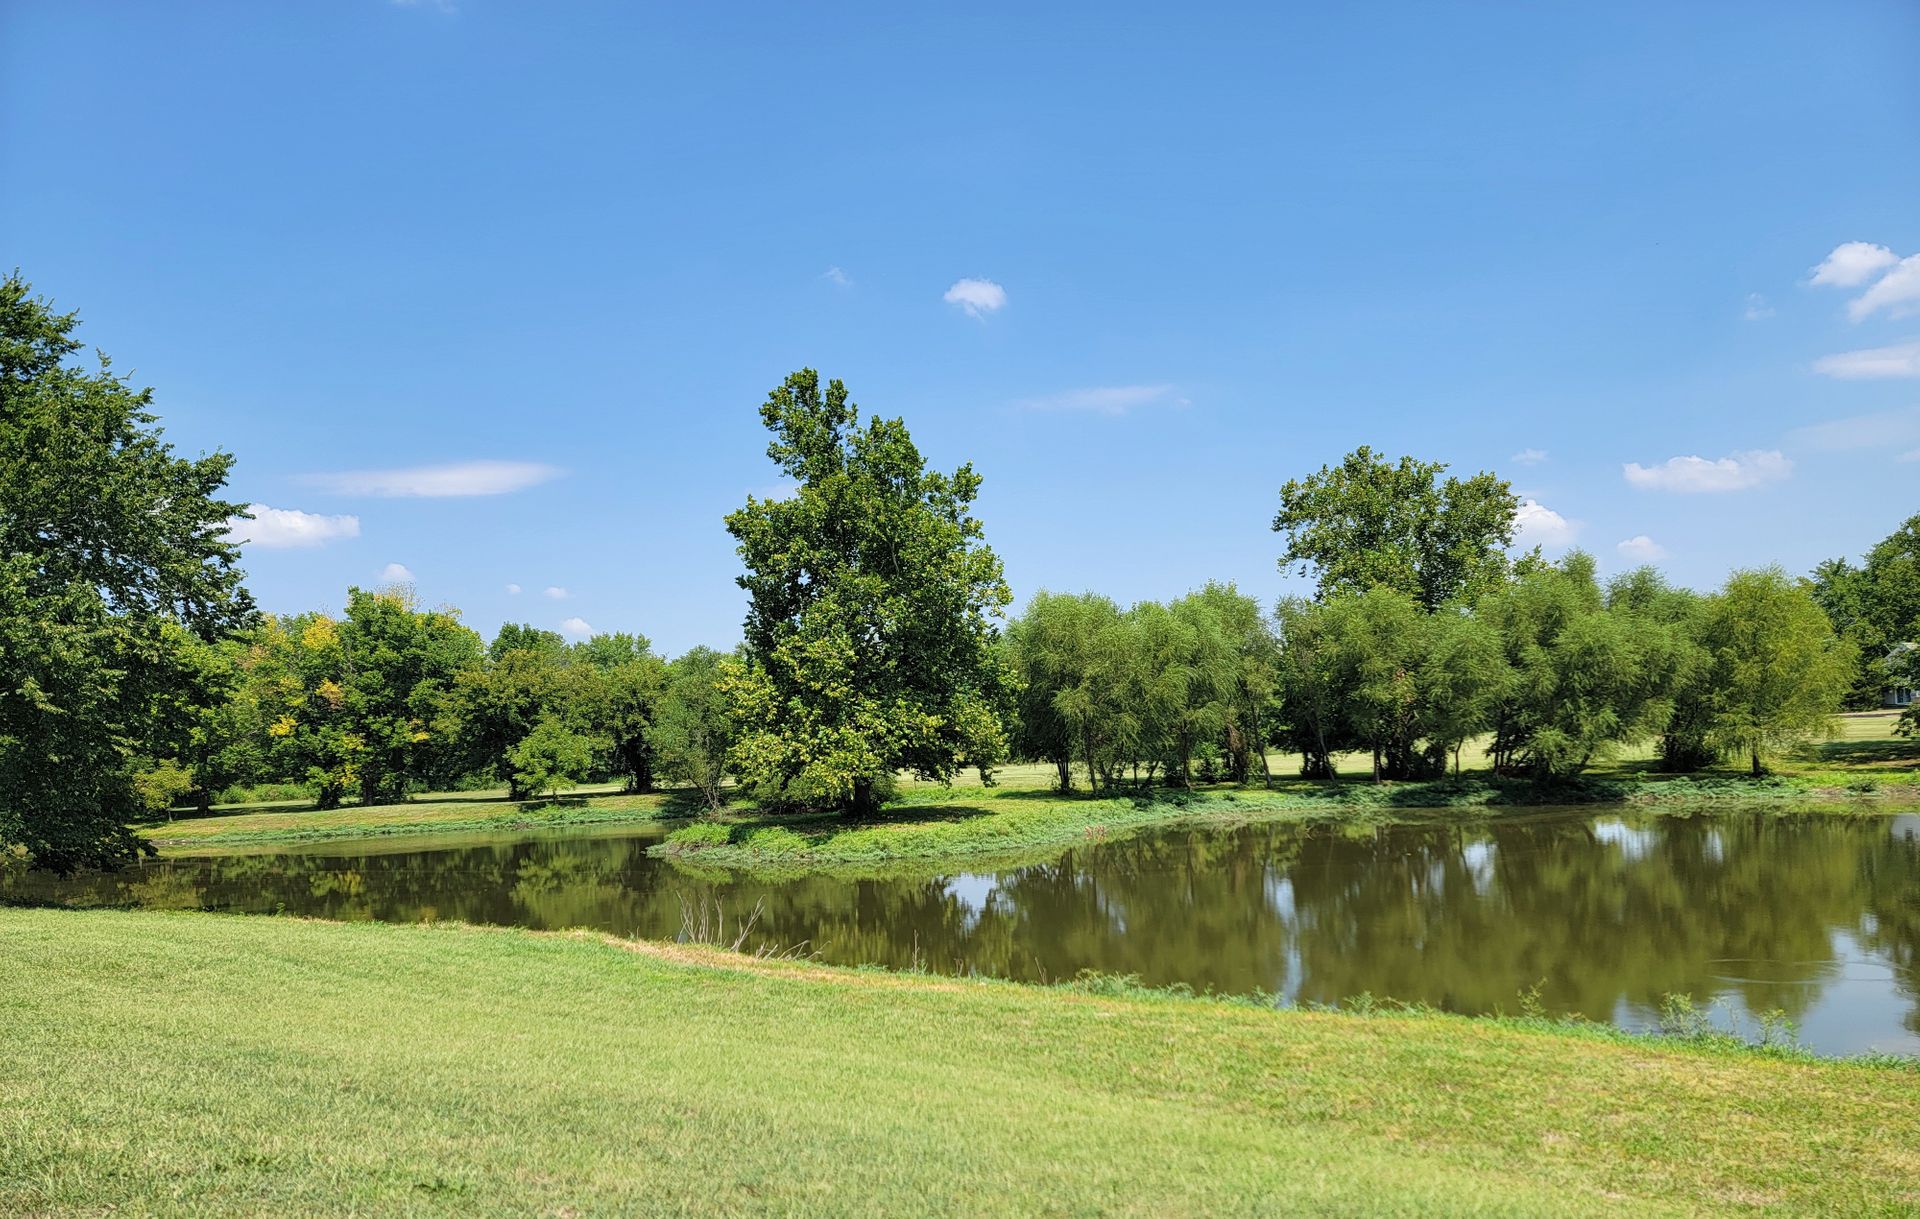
{"x":194,"y":1064}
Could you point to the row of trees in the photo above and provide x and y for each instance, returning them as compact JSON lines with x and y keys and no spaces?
{"x":1551,"y":668}
{"x":136,"y":668}
{"x":389,"y":698}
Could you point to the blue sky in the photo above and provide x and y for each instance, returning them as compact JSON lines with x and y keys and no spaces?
{"x":1140,"y":265}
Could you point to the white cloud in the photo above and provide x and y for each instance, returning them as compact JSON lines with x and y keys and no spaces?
{"x":513,"y":590}
{"x":1535,"y":524}
{"x":1909,"y":455}
{"x":1691,"y":474}
{"x":978,"y":297}
{"x":1899,"y":360}
{"x":435,"y":482}
{"x":1642,"y":548}
{"x":1757,"y":307}
{"x":1853,"y":263}
{"x":1898,"y":292}
{"x":1529,"y":457}
{"x":1108,"y":399}
{"x":576,"y":626}
{"x":557,"y":593}
{"x":1880,"y":430}
{"x":396,"y":573}
{"x":834,"y":275}
{"x":287,"y":528}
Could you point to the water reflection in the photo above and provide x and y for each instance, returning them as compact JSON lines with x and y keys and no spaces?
{"x":1815,"y":915}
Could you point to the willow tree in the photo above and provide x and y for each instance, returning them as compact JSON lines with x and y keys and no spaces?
{"x":870,"y":632}
{"x":1780,"y":672}
{"x":113,"y":560}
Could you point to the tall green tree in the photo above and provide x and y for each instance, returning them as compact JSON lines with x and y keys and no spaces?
{"x":1312,"y":686}
{"x":1581,"y":681}
{"x":113,"y":552}
{"x":693,"y":730}
{"x":1369,"y":523}
{"x":625,"y":682}
{"x":1780,"y":672}
{"x":870,"y":631}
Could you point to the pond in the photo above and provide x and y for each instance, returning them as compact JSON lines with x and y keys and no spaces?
{"x":1745,"y":911}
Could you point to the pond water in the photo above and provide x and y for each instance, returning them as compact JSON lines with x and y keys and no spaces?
{"x":1748,"y":911}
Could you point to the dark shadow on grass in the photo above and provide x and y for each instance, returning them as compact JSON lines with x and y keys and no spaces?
{"x":1869,"y":753}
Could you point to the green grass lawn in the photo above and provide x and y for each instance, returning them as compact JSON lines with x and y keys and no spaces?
{"x":249,"y":825}
{"x":202,"y":1064}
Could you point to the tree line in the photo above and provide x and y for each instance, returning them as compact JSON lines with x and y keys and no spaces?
{"x":389,"y":698}
{"x":138,"y":672}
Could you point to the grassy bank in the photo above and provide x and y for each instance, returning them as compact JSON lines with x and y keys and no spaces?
{"x":300,"y":1067}
{"x":962,"y":824}
{"x":427,"y":815}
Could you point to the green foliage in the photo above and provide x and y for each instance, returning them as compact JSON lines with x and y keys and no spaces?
{"x":550,"y":759}
{"x":161,"y":785}
{"x":869,"y":632}
{"x":1779,"y":671}
{"x":624,"y":684}
{"x":1368,"y":523}
{"x":366,"y":704}
{"x":113,"y":563}
{"x":694,"y":730}
{"x":1583,"y":681}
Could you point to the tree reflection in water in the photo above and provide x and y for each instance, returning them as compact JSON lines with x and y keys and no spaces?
{"x":1817,"y":915}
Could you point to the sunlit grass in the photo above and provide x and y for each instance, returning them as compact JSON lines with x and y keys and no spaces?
{"x":209,"y":1065}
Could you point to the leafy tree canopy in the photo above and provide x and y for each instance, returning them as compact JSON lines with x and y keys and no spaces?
{"x":113,"y":555}
{"x":870,"y":635}
{"x":1370,"y":523}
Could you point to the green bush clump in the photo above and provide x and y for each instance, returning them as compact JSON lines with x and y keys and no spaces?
{"x":699,"y":834}
{"x":775,"y":840}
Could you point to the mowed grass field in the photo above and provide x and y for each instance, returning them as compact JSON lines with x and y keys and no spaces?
{"x":215,"y":1065}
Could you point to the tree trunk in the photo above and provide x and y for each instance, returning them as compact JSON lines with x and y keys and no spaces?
{"x":1065,"y":764}
{"x":864,"y":804}
{"x":1756,"y":761}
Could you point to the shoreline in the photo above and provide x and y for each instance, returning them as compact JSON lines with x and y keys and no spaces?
{"x":966,"y":829}
{"x":963,"y":824}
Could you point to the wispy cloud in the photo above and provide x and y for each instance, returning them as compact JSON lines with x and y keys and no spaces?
{"x":289,"y":528}
{"x":576,"y":626}
{"x":1892,"y":282}
{"x":1529,"y":457}
{"x":834,"y":275}
{"x":459,"y":478}
{"x":1852,"y":263}
{"x":978,"y":297}
{"x":1898,"y":292}
{"x":1757,"y":308}
{"x":513,"y":590}
{"x":396,"y":573}
{"x":557,"y":593}
{"x":1899,"y":360}
{"x":1641,"y":549}
{"x":1108,"y":399}
{"x":1535,"y":524}
{"x":1697,"y":474}
{"x":1880,"y":430}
